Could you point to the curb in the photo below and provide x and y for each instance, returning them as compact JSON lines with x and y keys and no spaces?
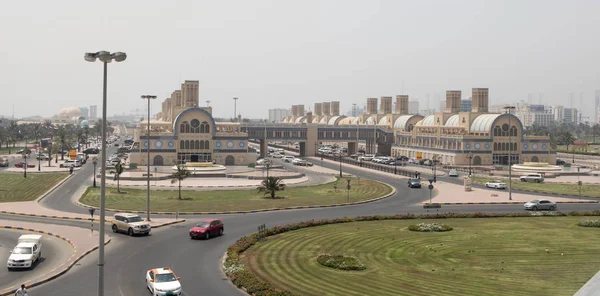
{"x":45,"y":280}
{"x":53,"y":188}
{"x":543,"y":192}
{"x":87,"y":219}
{"x":251,"y":211}
{"x":502,"y":203}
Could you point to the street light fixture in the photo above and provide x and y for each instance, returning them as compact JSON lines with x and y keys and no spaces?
{"x":470,"y":157}
{"x":341,"y":165}
{"x":235,"y":109}
{"x":95,"y":162}
{"x":149,"y":98}
{"x":105,"y":57}
{"x":25,"y":156}
{"x":508,"y":110}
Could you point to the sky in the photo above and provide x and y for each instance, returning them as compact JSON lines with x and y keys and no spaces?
{"x":272,"y":54}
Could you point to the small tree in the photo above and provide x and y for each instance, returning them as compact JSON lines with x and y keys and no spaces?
{"x":118,"y":171}
{"x":181,"y":174}
{"x":271,"y":185}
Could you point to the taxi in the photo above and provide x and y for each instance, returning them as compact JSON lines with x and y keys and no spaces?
{"x":163,"y":282}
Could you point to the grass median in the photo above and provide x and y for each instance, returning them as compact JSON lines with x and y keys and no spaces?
{"x":13,"y":187}
{"x":236,"y":200}
{"x":492,"y":256}
{"x":546,"y":187}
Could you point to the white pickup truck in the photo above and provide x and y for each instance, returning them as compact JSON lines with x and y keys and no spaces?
{"x":538,"y":178}
{"x":26,"y":253}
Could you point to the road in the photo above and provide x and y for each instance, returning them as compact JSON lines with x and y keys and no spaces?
{"x":55,"y":252}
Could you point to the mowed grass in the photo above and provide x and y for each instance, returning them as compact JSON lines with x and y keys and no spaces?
{"x":13,"y":187}
{"x":495,"y":256}
{"x":545,"y":187}
{"x":236,"y":200}
{"x":4,"y":150}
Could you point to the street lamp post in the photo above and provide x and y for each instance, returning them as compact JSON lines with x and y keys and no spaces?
{"x":39,"y":160}
{"x":235,"y":109}
{"x":105,"y":57}
{"x":149,"y":98}
{"x":434,"y":168}
{"x":509,"y":109}
{"x":470,"y":157}
{"x":25,"y":154}
{"x":95,"y":162}
{"x":341,"y":165}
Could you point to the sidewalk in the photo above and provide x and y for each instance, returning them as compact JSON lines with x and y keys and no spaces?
{"x":82,"y":241}
{"x":452,"y":194}
{"x":32,"y":208}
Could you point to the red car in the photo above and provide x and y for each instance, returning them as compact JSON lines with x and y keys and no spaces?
{"x":21,"y":164}
{"x":207,"y":228}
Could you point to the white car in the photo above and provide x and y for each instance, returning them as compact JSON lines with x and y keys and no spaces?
{"x":288,"y":158}
{"x":26,"y":253}
{"x":453,"y":173}
{"x":495,"y":184}
{"x":163,"y":281}
{"x":276,"y":155}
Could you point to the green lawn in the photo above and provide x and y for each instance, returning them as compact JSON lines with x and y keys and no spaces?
{"x":4,"y":150}
{"x":235,"y":200}
{"x":551,"y":188}
{"x":13,"y":187}
{"x":492,"y":256}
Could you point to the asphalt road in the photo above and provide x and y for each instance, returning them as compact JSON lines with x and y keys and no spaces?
{"x":197,"y":262}
{"x":55,"y":252}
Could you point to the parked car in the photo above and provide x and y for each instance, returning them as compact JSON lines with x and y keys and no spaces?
{"x":70,"y":163}
{"x":21,"y":164}
{"x":540,"y":204}
{"x":132,"y":224}
{"x":452,"y":173}
{"x":92,"y":151}
{"x":276,"y":155}
{"x":288,"y":158}
{"x":414,"y":183}
{"x":42,"y":156}
{"x":538,"y":178}
{"x":163,"y":281}
{"x":560,"y":162}
{"x":26,"y":253}
{"x":4,"y":162}
{"x":496,"y":184}
{"x":305,"y":163}
{"x":207,"y":228}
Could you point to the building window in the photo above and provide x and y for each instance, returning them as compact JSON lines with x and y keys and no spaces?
{"x":181,"y":144}
{"x":204,"y":128}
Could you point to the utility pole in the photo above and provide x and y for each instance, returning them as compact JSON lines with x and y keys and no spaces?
{"x":509,"y":109}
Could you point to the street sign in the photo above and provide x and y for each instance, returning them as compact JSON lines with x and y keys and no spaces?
{"x":430,"y":187}
{"x":419,"y":155}
{"x":73,"y":154}
{"x":91,"y":210}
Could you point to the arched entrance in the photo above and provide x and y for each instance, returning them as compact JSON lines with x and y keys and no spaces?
{"x":158,"y":160}
{"x":535,"y":159}
{"x":229,"y":160}
{"x":476,"y":160}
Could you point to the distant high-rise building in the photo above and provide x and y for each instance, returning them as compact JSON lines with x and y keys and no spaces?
{"x":466,"y":105}
{"x":85,"y":112}
{"x":279,"y":114}
{"x":93,"y":112}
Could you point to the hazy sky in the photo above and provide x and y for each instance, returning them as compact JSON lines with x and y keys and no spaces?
{"x":278,"y":53}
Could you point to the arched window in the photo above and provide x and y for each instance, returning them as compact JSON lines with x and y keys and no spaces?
{"x":198,"y":145}
{"x":181,"y":144}
{"x":513,"y":131}
{"x":206,"y":144}
{"x":514,"y":147}
{"x":195,"y":126}
{"x":187,"y":144}
{"x":497,"y":131}
{"x":495,"y":144}
{"x":503,"y":147}
{"x":206,"y":127}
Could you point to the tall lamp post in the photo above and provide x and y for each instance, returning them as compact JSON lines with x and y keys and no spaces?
{"x":95,"y":162}
{"x":508,"y":110}
{"x":149,"y":98}
{"x":235,"y":109}
{"x":470,"y":157}
{"x":105,"y":57}
{"x":341,"y":165}
{"x":25,"y":156}
{"x":434,"y":168}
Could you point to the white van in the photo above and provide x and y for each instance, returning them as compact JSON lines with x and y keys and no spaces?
{"x":70,"y":163}
{"x":26,"y":253}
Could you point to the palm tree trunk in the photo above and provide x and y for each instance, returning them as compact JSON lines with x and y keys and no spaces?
{"x":179,"y":189}
{"x":118,"y":188}
{"x":272,"y":194}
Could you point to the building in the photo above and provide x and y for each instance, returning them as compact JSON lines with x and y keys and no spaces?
{"x":186,"y":133}
{"x":413,"y":107}
{"x":93,"y":112}
{"x":530,"y":114}
{"x":279,"y":114}
{"x":466,"y":105}
{"x":85,"y":112}
{"x":565,"y":115}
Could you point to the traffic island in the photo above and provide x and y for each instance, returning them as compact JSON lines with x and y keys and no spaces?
{"x":81,"y":240}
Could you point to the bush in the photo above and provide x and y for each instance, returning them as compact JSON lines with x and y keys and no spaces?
{"x":340,"y":262}
{"x":589,"y":223}
{"x":429,"y":227}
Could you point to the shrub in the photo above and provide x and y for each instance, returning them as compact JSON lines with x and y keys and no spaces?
{"x":589,"y":223}
{"x":429,"y":227}
{"x":340,"y":262}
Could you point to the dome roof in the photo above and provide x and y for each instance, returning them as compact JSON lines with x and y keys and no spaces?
{"x":370,"y":121}
{"x":483,"y":123}
{"x":301,"y":119}
{"x":402,"y":120}
{"x":452,"y":121}
{"x":84,"y":123}
{"x":335,"y":120}
{"x":427,"y":121}
{"x":356,"y":120}
{"x":70,"y":112}
{"x":323,"y":120}
{"x":384,"y":121}
{"x":346,"y":121}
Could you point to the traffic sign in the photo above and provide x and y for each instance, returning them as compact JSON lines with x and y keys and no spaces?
{"x":430,"y":187}
{"x":91,"y":210}
{"x":419,"y":155}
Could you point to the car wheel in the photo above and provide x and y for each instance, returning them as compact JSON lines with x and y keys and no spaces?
{"x":551,"y":208}
{"x":207,"y":235}
{"x":534,"y":208}
{"x":522,"y":180}
{"x":496,"y":187}
{"x":220,"y":231}
{"x":537,"y":181}
{"x":114,"y":228}
{"x":130,"y":231}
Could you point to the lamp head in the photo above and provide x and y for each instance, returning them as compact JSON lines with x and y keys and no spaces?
{"x":119,"y":56}
{"x":104,"y":56}
{"x":90,"y":57}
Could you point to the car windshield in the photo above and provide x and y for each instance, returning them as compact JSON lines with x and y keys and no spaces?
{"x":203,"y":224}
{"x":414,"y":180}
{"x":134,"y":219}
{"x":165,"y":277}
{"x":534,"y":201}
{"x":22,"y":250}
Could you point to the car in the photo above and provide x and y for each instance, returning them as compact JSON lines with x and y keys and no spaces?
{"x":540,"y":204}
{"x":538,"y":178}
{"x":130,"y":223}
{"x":162,"y":282}
{"x":207,"y":228}
{"x":20,"y":151}
{"x":288,"y":158}
{"x":92,"y":151}
{"x":42,"y":156}
{"x":70,"y":163}
{"x":21,"y":164}
{"x":276,"y":155}
{"x":496,"y":184}
{"x":263,"y":161}
{"x":414,"y":183}
{"x":4,"y":162}
{"x":26,"y":253}
{"x":296,"y":161}
{"x":452,"y":173}
{"x":304,"y":163}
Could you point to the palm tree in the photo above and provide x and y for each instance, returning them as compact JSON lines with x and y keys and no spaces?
{"x":181,"y":174}
{"x":271,"y":185}
{"x":79,"y":135}
{"x":118,"y":171}
{"x":86,"y":133}
{"x":13,"y":130}
{"x":62,"y":140}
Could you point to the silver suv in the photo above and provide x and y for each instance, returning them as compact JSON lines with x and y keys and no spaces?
{"x":132,"y":224}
